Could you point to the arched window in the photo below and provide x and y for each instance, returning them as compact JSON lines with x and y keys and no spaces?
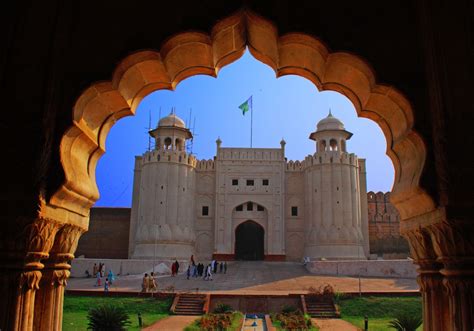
{"x":322,"y":146}
{"x":168,"y":143}
{"x":179,"y":144}
{"x":333,"y":145}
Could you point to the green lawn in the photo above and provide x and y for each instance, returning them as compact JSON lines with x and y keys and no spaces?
{"x":76,"y":308}
{"x":379,"y":310}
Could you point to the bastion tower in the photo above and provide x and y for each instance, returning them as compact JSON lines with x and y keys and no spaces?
{"x":162,"y":216}
{"x":335,"y":191}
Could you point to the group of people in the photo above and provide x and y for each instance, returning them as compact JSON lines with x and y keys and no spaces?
{"x":199,"y":270}
{"x":149,"y":283}
{"x":174,"y":268}
{"x":99,"y":272}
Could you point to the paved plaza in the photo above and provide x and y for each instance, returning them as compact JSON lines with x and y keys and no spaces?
{"x":256,"y":277}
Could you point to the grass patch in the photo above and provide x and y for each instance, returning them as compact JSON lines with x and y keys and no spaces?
{"x":379,"y":310}
{"x":76,"y":308}
{"x":237,"y":318}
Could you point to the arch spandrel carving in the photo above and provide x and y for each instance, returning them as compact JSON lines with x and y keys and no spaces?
{"x":193,"y":53}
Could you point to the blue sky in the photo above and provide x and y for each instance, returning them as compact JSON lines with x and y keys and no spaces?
{"x":288,"y":107}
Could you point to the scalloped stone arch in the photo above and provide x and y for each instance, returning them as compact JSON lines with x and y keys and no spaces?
{"x":192,"y":53}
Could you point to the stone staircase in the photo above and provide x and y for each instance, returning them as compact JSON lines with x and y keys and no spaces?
{"x":321,"y":309}
{"x":189,"y":304}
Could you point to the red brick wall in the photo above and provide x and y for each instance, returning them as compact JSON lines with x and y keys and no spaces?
{"x":108,"y":234}
{"x":384,"y":226}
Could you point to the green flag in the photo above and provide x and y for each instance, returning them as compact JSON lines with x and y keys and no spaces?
{"x":245,"y":107}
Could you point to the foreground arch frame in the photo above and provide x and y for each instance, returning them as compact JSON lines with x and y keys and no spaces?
{"x":438,"y":246}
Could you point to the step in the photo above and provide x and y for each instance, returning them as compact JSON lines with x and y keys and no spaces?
{"x":188,"y":309}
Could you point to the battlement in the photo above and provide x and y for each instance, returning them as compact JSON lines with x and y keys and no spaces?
{"x":173,"y":156}
{"x":251,"y":154}
{"x":378,"y":197}
{"x":205,"y":165}
{"x":326,"y":157}
{"x":294,"y":165}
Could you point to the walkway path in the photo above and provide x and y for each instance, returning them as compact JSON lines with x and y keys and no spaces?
{"x":333,"y":324}
{"x":257,"y":277}
{"x":172,"y":323}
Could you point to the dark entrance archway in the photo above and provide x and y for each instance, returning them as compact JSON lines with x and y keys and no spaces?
{"x":249,"y":241}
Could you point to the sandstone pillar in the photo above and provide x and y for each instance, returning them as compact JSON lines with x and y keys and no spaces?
{"x":444,"y":251}
{"x":454,"y":246}
{"x":433,"y":296}
{"x":50,"y":297}
{"x":21,"y":274}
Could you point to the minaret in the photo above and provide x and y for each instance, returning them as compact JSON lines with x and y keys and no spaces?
{"x":334,"y":229}
{"x":162,"y":224}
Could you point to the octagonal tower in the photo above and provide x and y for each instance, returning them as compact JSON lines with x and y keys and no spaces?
{"x":162,"y":220}
{"x":335,"y":182}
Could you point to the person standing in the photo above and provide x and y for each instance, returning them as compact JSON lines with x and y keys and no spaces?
{"x":152,"y":282}
{"x":98,"y":283}
{"x":188,"y":272}
{"x":173,"y":269}
{"x":94,"y":270}
{"x":200,"y":267}
{"x":221,"y":267}
{"x":106,"y":285}
{"x":111,"y":277}
{"x":225,"y":267}
{"x":177,"y":266}
{"x":145,"y":283}
{"x":209,"y":272}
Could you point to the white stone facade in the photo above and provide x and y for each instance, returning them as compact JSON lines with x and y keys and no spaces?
{"x":314,"y":208}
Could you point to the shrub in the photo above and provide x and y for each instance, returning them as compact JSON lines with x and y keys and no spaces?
{"x":212,"y":322}
{"x":107,"y":317}
{"x":406,"y":322}
{"x":222,"y":308}
{"x":322,"y":293}
{"x":293,"y":321}
{"x":288,"y":309}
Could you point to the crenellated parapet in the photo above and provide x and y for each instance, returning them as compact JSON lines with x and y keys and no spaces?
{"x":251,"y":154}
{"x":205,"y":165}
{"x":328,"y":157}
{"x":294,"y":166}
{"x":173,"y":156}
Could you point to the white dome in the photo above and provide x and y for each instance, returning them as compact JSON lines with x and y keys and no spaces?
{"x":171,"y":120}
{"x":330,"y":123}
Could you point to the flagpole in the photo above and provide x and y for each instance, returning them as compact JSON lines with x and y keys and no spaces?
{"x":251,"y":120}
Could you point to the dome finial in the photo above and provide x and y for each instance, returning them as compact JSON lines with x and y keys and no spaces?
{"x":330,"y":114}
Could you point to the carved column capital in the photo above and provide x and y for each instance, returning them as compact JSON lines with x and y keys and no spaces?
{"x":454,"y":247}
{"x":62,"y":252}
{"x":421,"y":249}
{"x":30,"y":280}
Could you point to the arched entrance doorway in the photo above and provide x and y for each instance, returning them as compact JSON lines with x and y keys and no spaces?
{"x":249,"y":241}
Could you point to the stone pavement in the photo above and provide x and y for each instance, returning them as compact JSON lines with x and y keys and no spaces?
{"x":256,"y":277}
{"x":172,"y":323}
{"x":333,"y":324}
